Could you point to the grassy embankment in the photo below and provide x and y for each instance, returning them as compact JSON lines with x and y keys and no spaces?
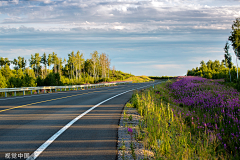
{"x":139,"y":79}
{"x":190,"y":118}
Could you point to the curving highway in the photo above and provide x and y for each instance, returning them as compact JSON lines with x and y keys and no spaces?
{"x":64,"y":125}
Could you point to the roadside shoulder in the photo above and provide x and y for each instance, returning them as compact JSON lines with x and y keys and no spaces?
{"x":129,"y":147}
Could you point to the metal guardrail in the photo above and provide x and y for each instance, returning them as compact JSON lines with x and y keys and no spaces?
{"x":37,"y":89}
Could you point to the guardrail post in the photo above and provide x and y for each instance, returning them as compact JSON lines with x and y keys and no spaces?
{"x":31,"y":91}
{"x":38,"y":91}
{"x":15,"y":93}
{"x":5,"y":94}
{"x":24,"y":93}
{"x":44,"y":90}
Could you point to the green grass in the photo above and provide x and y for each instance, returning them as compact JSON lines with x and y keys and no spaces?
{"x":139,"y":79}
{"x":166,"y":133}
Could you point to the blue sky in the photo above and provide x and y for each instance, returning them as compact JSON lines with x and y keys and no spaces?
{"x":146,"y":37}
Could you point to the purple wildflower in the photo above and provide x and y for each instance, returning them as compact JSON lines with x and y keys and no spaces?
{"x":130,"y":130}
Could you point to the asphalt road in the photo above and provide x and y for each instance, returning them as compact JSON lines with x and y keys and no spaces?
{"x":30,"y":122}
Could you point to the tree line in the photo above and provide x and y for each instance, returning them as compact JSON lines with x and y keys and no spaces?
{"x":51,"y":70}
{"x":224,"y":69}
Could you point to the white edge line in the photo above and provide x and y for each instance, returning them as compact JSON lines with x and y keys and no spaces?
{"x":51,"y":139}
{"x":36,"y":153}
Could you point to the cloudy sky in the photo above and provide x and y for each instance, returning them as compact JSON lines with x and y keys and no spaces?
{"x":144,"y":37}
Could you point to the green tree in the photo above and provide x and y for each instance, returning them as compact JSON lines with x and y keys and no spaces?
{"x":55,"y":61}
{"x":6,"y":71}
{"x":2,"y":61}
{"x":70,"y":63}
{"x":7,"y":61}
{"x":15,"y":62}
{"x":53,"y":79}
{"x":20,"y":73}
{"x":228,"y":58}
{"x":216,"y":65}
{"x":59,"y":65}
{"x":210,"y":65}
{"x":235,"y":39}
{"x":79,"y":62}
{"x":37,"y":63}
{"x":3,"y":83}
{"x":88,"y":67}
{"x":32,"y":61}
{"x":44,"y":61}
{"x":49,"y":60}
{"x":20,"y":62}
{"x":95,"y":63}
{"x":23,"y":63}
{"x":203,"y":67}
{"x":104,"y":64}
{"x":28,"y":81}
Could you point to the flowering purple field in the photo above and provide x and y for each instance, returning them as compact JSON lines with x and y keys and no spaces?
{"x":213,"y":108}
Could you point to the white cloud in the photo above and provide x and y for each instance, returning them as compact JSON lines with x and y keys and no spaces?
{"x":140,"y":16}
{"x":167,"y":66}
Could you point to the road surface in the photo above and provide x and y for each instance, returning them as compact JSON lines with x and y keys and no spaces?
{"x":64,"y":125}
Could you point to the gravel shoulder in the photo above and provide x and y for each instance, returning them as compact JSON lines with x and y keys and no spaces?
{"x":130,"y":119}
